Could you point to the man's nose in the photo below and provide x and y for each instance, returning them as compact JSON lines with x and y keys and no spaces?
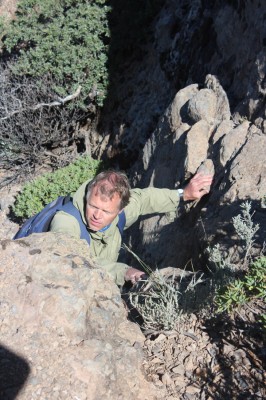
{"x":97,"y":213}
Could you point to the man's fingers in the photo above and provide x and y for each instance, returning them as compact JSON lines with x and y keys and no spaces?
{"x":133,"y":275}
{"x":197,"y":187}
{"x":201,"y":183}
{"x":204,"y":180}
{"x":203,"y":192}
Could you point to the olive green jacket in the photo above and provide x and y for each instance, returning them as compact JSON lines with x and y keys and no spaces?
{"x":105,"y":246}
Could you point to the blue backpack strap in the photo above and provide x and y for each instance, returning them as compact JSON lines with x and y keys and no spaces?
{"x":121,"y":222}
{"x":72,"y":210}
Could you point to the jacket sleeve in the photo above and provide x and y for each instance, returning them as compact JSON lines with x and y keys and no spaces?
{"x":150,"y":201}
{"x":65,"y":223}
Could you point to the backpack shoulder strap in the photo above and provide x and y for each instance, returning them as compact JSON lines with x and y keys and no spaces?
{"x":121,"y":222}
{"x":69,"y":208}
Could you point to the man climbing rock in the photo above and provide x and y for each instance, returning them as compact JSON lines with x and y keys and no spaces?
{"x":107,"y":205}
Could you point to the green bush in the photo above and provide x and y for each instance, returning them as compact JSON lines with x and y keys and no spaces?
{"x":36,"y":194}
{"x":162,"y":300}
{"x":232,"y":292}
{"x":253,"y":285}
{"x":158,"y":306}
{"x":67,"y":39}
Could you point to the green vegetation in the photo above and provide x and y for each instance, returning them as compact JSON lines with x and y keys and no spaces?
{"x":2,"y":26}
{"x":53,"y":78}
{"x":67,"y":39}
{"x":36,"y":194}
{"x":241,"y":291}
{"x":55,"y":72}
{"x":246,"y":230}
{"x":158,"y":306}
{"x":157,"y":301}
{"x":230,"y":292}
{"x":161,"y":300}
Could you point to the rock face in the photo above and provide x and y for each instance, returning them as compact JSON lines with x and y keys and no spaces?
{"x":195,"y":127}
{"x":193,"y":90}
{"x":64,"y":332}
{"x":185,"y":42}
{"x":8,"y":8}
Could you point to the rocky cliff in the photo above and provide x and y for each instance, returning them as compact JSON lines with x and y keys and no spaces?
{"x":64,"y":328}
{"x":193,"y":89}
{"x":186,"y":41}
{"x":198,"y":126}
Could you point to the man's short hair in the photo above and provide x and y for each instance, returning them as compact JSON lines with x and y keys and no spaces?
{"x":110,"y":182}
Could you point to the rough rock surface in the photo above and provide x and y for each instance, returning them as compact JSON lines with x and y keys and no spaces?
{"x":64,"y":335}
{"x":185,"y":42}
{"x":64,"y":328}
{"x":174,"y":152}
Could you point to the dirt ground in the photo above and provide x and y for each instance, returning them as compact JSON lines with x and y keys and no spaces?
{"x":207,"y":355}
{"x":222,"y":357}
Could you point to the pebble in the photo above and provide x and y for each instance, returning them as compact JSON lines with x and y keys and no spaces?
{"x":166,"y":379}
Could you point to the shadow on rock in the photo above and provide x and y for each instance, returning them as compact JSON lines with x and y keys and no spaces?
{"x":239,"y":363}
{"x":14,"y":371}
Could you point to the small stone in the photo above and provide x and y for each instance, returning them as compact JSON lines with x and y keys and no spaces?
{"x":166,"y":379}
{"x":192,"y":389}
{"x":179,"y":369}
{"x":179,"y":381}
{"x":159,"y":338}
{"x":246,"y":362}
{"x":158,"y":383}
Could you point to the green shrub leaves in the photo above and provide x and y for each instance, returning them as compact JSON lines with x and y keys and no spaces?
{"x":35,"y":195}
{"x":253,"y":285}
{"x":65,"y":38}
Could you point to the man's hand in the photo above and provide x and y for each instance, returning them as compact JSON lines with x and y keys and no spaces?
{"x":197,"y":187}
{"x":133,"y":275}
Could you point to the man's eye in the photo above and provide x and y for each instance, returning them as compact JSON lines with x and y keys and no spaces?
{"x":106,"y":212}
{"x":103,"y":211}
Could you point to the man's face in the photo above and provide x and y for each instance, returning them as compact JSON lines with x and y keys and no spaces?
{"x":100,"y":210}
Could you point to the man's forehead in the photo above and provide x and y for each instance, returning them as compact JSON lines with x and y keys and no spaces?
{"x":106,"y":193}
{"x":99,"y":190}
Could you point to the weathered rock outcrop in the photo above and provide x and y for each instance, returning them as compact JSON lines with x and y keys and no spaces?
{"x":196,"y":126}
{"x":64,"y":332}
{"x":186,"y":41}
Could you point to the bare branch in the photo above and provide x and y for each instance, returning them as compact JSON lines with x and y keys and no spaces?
{"x":36,"y":126}
{"x":60,"y":102}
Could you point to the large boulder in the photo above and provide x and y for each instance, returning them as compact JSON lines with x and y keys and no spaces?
{"x":64,"y":328}
{"x":175,"y":152}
